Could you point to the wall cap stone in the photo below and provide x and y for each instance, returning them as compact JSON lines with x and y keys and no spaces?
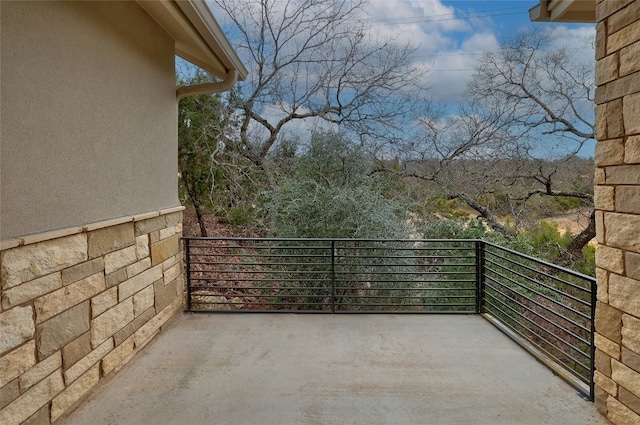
{"x":41,"y":237}
{"x":172,"y":210}
{"x":10,"y":243}
{"x":58,"y":233}
{"x":107,"y":223}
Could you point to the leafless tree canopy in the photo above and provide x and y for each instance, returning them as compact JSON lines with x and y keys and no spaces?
{"x":544,"y":88}
{"x":317,"y":59}
{"x":526,"y":101}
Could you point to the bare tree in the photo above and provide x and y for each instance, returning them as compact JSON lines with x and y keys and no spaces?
{"x":529,"y":111}
{"x":316,"y":59}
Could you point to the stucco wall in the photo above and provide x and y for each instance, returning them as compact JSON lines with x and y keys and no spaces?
{"x":88,"y":108}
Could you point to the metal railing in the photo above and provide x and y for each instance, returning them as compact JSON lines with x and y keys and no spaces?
{"x":547,"y":309}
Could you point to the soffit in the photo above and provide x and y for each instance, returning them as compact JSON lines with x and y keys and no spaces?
{"x":564,"y":11}
{"x":198,"y":36}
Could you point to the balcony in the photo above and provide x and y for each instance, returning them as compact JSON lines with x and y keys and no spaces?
{"x":458,"y":358}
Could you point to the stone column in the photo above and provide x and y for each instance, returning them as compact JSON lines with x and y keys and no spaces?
{"x":617,"y":199}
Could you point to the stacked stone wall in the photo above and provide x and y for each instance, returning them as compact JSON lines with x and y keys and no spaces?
{"x":617,"y":199}
{"x":78,"y":304}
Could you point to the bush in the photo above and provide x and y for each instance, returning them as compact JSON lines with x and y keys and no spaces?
{"x":305,"y":209}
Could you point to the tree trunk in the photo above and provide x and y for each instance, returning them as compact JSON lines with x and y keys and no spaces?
{"x":192,"y":191}
{"x":574,"y":249}
{"x":486,"y":214}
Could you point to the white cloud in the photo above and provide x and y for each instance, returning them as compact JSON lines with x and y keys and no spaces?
{"x":580,"y":40}
{"x":452,"y":36}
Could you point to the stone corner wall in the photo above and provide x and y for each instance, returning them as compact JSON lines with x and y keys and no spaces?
{"x":77,"y":307}
{"x":617,"y":201}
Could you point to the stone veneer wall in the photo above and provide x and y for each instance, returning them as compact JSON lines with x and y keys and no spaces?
{"x":78,"y":304}
{"x":617,"y":198}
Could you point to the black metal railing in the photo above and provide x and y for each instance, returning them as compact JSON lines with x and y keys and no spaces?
{"x":548,"y":309}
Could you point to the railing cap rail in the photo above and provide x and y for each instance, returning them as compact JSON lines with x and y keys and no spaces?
{"x":228,"y":238}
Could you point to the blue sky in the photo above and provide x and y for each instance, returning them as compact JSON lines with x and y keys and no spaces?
{"x":452,"y":34}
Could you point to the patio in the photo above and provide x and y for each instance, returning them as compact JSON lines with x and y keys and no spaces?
{"x":334,"y":369}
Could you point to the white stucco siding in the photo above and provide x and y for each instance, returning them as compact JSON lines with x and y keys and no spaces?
{"x":89,"y":129}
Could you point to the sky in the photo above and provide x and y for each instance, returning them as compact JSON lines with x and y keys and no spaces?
{"x":453,"y":35}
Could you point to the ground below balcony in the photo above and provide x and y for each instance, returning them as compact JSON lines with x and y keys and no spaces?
{"x":334,"y":369}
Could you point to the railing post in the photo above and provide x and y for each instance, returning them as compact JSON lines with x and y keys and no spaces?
{"x":592,"y":349}
{"x":333,"y":276}
{"x":480,"y":247}
{"x":187,"y":253}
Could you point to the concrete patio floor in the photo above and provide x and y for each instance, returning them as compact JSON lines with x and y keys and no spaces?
{"x":334,"y":369}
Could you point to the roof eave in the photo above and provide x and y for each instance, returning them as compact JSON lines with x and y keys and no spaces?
{"x":198,"y":36}
{"x":564,"y":11}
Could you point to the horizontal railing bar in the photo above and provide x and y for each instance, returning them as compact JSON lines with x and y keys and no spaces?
{"x":569,"y":347}
{"x":338,"y":248}
{"x":231,"y":279}
{"x":259,"y":246}
{"x":544,"y":285}
{"x":241,"y":293}
{"x":342,"y":264}
{"x":319,"y":299}
{"x":341,"y":251}
{"x":408,"y":288}
{"x":346,"y":273}
{"x":238,"y":271}
{"x":345,"y":304}
{"x":259,"y":311}
{"x":422,"y":282}
{"x":367,"y":311}
{"x":551,"y":334}
{"x":558,"y":303}
{"x":537,"y":271}
{"x":404,"y":257}
{"x":194,"y":275}
{"x":387,"y":264}
{"x":557,"y":326}
{"x":256,"y":255}
{"x":568,"y":319}
{"x":411,"y":297}
{"x":574,"y":362}
{"x":259,"y":303}
{"x":328,"y":311}
{"x":400,"y":272}
{"x":252,"y":263}
{"x":575,"y":373}
{"x":299,"y":288}
{"x":351,"y":240}
{"x":541,"y":262}
{"x":491,"y":270}
{"x":226,"y":295}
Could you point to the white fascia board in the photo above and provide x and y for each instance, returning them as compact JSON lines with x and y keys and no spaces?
{"x":540,"y":13}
